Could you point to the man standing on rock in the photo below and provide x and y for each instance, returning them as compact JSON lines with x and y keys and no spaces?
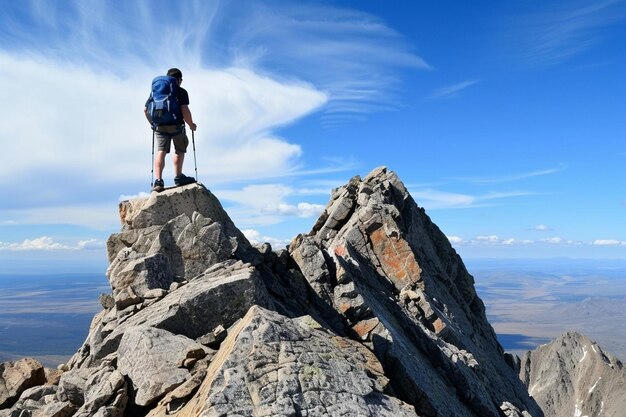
{"x":167,"y":111}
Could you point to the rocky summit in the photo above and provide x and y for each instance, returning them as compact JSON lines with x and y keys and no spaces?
{"x":372,"y":313}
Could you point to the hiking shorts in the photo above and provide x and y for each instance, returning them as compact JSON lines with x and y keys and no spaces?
{"x":165,"y":135}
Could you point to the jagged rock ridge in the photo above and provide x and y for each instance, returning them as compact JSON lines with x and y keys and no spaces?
{"x":573,"y":376}
{"x":371,"y":313}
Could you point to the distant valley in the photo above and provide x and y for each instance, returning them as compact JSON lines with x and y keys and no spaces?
{"x":529,"y":302}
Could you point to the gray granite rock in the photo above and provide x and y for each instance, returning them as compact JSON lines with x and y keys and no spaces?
{"x":270,"y":365}
{"x":154,"y":361}
{"x":105,"y":387}
{"x":72,"y":386}
{"x":57,"y":409}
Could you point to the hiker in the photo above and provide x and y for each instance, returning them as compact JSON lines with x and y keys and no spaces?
{"x":170,"y":128}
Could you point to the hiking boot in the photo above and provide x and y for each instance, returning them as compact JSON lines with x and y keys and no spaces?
{"x":158,"y":186}
{"x":182,"y":179}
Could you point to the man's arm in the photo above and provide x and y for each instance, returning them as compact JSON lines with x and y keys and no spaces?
{"x":187,"y":117}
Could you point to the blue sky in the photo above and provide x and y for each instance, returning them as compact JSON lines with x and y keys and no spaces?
{"x":506,"y":120}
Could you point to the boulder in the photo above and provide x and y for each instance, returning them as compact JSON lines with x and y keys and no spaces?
{"x":154,"y":361}
{"x":72,"y":386}
{"x":18,"y":376}
{"x":105,"y":394}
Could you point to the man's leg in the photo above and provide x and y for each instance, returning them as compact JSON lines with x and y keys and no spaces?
{"x":178,"y":158}
{"x":159,"y":164}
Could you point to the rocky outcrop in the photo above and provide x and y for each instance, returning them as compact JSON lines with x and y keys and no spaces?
{"x":371,"y":313}
{"x":376,"y":257}
{"x":573,"y":376}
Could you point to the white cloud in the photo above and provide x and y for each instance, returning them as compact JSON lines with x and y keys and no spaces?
{"x":455,"y":240}
{"x":608,"y":242}
{"x":99,"y":117}
{"x":255,"y":238}
{"x":542,"y":228}
{"x":560,"y":241}
{"x":488,"y":239}
{"x":452,"y":90}
{"x":494,"y":240}
{"x":91,"y":244}
{"x":141,"y":194}
{"x":553,"y":240}
{"x":46,"y":243}
{"x":264,"y":204}
{"x":299,"y":210}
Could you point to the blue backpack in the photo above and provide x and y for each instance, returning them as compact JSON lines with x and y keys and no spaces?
{"x":163,"y":106}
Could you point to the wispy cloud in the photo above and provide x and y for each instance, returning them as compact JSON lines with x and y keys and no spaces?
{"x":249,"y":69}
{"x":433,"y":199}
{"x":512,"y":177}
{"x":560,"y":31}
{"x":352,"y":55}
{"x":452,"y":90}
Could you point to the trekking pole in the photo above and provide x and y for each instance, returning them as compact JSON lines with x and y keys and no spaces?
{"x":193,"y":142}
{"x":152,"y":172}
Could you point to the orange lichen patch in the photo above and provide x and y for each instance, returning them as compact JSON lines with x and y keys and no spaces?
{"x":341,"y":251}
{"x":364,"y":327}
{"x":439,"y":325}
{"x":396,"y":258}
{"x":343,"y":307}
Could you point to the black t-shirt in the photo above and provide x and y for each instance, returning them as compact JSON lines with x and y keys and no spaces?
{"x":181,"y":96}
